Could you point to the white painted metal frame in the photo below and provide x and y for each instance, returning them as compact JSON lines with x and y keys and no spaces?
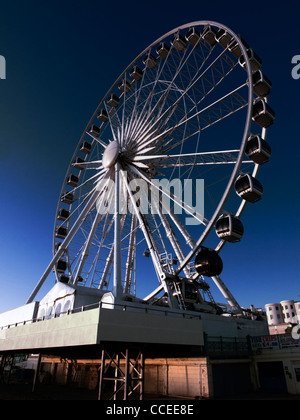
{"x":160,"y":115}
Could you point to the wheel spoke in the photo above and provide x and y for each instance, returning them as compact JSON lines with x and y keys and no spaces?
{"x":90,"y":204}
{"x":97,"y":139}
{"x":131,"y":255}
{"x":164,"y":120}
{"x":191,"y":159}
{"x":88,"y":243}
{"x":166,"y":113}
{"x":150,"y":242}
{"x":172,"y":197}
{"x":207,"y":115}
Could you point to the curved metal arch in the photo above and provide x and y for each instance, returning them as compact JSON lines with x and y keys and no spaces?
{"x":244,"y":138}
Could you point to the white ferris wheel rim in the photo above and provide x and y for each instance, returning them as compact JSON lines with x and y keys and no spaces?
{"x":239,"y":158}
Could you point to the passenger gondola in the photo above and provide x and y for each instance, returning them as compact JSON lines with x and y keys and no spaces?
{"x":209,"y":35}
{"x":136,"y":73}
{"x":248,"y":188}
{"x":223,"y":38}
{"x":67,"y":198}
{"x":163,"y":50}
{"x":229,"y":228}
{"x":63,"y":278}
{"x":178,"y":42}
{"x":77,"y":163}
{"x":192,"y":36}
{"x":94,"y":129}
{"x":61,"y":266}
{"x":263,"y":114}
{"x":234,"y":47}
{"x":56,"y":246}
{"x":208,"y":262}
{"x":113,"y":100}
{"x":85,"y":147}
{"x":61,"y":232}
{"x":254,"y":59}
{"x":72,"y":180}
{"x":149,"y":61}
{"x":125,"y":86}
{"x":102,"y":116}
{"x":258,"y":150}
{"x":146,"y":253}
{"x":63,"y":214}
{"x":261,"y":84}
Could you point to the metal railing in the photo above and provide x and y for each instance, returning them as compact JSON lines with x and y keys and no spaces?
{"x":126,"y":306}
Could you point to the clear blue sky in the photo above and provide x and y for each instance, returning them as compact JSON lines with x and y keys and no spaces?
{"x":62,"y":57}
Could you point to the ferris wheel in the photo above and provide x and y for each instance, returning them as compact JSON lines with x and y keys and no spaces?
{"x":164,"y":169}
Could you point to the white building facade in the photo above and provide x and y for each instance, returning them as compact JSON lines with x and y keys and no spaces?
{"x":285,"y":312}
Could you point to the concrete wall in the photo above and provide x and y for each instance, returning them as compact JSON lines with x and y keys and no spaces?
{"x":130,"y":326}
{"x":69,"y":330}
{"x":191,"y":378}
{"x":180,"y":377}
{"x":96,"y":325}
{"x":216,"y":325}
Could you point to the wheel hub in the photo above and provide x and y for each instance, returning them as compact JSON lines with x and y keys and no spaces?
{"x":110,"y":154}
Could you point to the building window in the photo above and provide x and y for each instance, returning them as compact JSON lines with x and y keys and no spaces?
{"x":42,"y":313}
{"x":67,"y":306}
{"x":58,"y":309}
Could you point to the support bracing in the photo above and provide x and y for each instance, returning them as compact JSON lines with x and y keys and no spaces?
{"x":117,"y":286}
{"x":122,"y":375}
{"x":36,"y":373}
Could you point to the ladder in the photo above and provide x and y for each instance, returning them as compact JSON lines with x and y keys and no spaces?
{"x":177,"y":293}
{"x":207,"y":290}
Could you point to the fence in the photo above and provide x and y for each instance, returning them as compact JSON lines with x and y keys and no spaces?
{"x":126,"y":306}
